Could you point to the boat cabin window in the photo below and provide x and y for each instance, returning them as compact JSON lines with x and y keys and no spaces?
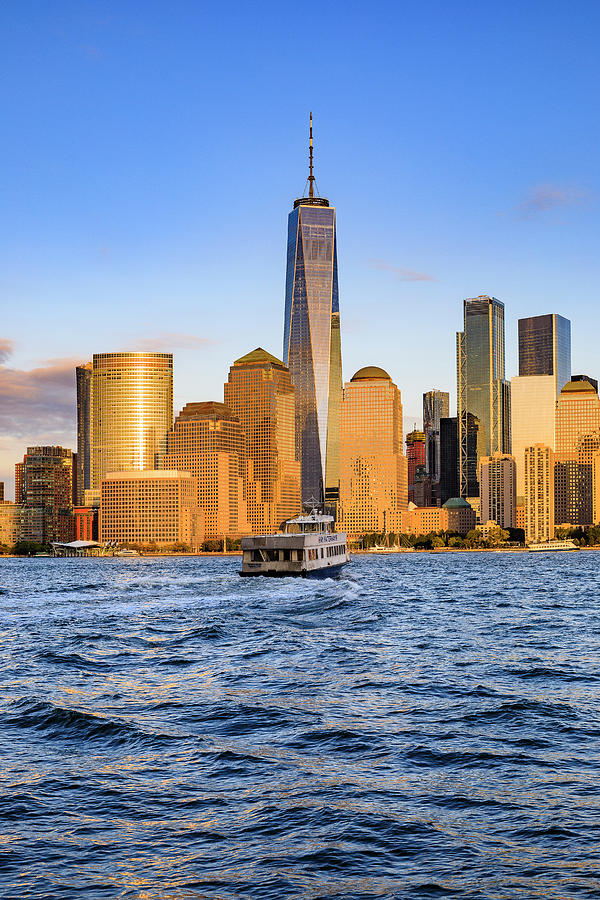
{"x":307,"y":527}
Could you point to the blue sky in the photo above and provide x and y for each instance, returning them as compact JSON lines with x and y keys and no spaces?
{"x":151,"y":153}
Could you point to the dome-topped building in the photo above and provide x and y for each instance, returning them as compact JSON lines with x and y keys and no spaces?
{"x":373,"y":471}
{"x":371,"y":373}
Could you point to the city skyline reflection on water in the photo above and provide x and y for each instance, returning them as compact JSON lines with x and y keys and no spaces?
{"x":425,"y":726}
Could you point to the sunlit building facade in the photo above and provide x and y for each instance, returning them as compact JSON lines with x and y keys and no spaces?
{"x":10,"y":523}
{"x":539,"y":493}
{"x":497,"y":480}
{"x":373,"y":471}
{"x":532,"y":412}
{"x":455,"y":515}
{"x":47,"y":494}
{"x":19,"y":468}
{"x":208,"y":441}
{"x":311,"y":341}
{"x":577,"y":438}
{"x":483,"y":395}
{"x":132,"y":412}
{"x":151,"y":507}
{"x":259,"y":391}
{"x":544,"y":369}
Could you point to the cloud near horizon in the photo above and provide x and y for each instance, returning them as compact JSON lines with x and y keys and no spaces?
{"x":543,"y":198}
{"x":40,"y":401}
{"x":400,"y":273}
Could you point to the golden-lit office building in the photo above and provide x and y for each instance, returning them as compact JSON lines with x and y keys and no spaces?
{"x":539,"y":493}
{"x":532,"y":415}
{"x":260,"y":393}
{"x":10,"y":523}
{"x":373,"y":469}
{"x":124,"y":413}
{"x":456,"y":515}
{"x":19,"y":469}
{"x":497,"y":481}
{"x":596,"y":486}
{"x":424,"y":519}
{"x":207,"y":440}
{"x":577,"y":438}
{"x":151,"y":507}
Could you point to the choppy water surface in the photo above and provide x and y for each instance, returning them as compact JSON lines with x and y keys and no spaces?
{"x":426,"y":726}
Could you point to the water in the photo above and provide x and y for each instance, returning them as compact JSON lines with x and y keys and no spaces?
{"x":426,"y":726}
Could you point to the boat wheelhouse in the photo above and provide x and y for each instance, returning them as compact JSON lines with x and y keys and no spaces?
{"x":307,"y":546}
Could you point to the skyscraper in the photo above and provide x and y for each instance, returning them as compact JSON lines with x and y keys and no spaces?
{"x":539,"y":493}
{"x":260,"y":393}
{"x":498,"y":493}
{"x":311,"y":339}
{"x":577,"y":438}
{"x":47,"y":494}
{"x":482,"y":390}
{"x":415,"y":457}
{"x":373,"y":475}
{"x":448,"y":486}
{"x":436,"y":406}
{"x":207,"y":440}
{"x":545,"y":347}
{"x":544,"y":368}
{"x":83,"y":379}
{"x":132,"y":412}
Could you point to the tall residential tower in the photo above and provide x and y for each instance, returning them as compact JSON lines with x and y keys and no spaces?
{"x":311,"y":339}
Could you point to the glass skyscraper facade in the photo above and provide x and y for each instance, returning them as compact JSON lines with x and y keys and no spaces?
{"x":448,"y":487}
{"x":132,"y":412}
{"x":436,"y":406}
{"x":83,"y":375}
{"x":545,"y":347}
{"x":311,"y":342}
{"x":483,"y":414}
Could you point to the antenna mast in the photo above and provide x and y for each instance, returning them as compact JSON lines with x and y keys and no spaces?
{"x":311,"y":177}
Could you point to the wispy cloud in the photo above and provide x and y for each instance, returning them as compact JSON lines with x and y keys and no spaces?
{"x":546,"y":197}
{"x":37,"y":401}
{"x":166,"y":341}
{"x":6,"y":349}
{"x":400,"y":273}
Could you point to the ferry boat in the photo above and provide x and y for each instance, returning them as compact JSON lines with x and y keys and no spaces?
{"x":307,"y":547}
{"x":552,"y":545}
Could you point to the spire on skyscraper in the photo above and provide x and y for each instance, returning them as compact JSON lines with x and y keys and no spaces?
{"x":311,"y":197}
{"x":311,"y":177}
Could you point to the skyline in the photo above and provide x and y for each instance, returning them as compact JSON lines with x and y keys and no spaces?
{"x":452,"y":190}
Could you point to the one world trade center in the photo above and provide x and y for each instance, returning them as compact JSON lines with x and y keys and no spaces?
{"x":311,"y":341}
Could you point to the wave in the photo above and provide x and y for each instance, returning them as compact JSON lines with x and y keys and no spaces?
{"x":73,"y":725}
{"x":73,"y":660}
